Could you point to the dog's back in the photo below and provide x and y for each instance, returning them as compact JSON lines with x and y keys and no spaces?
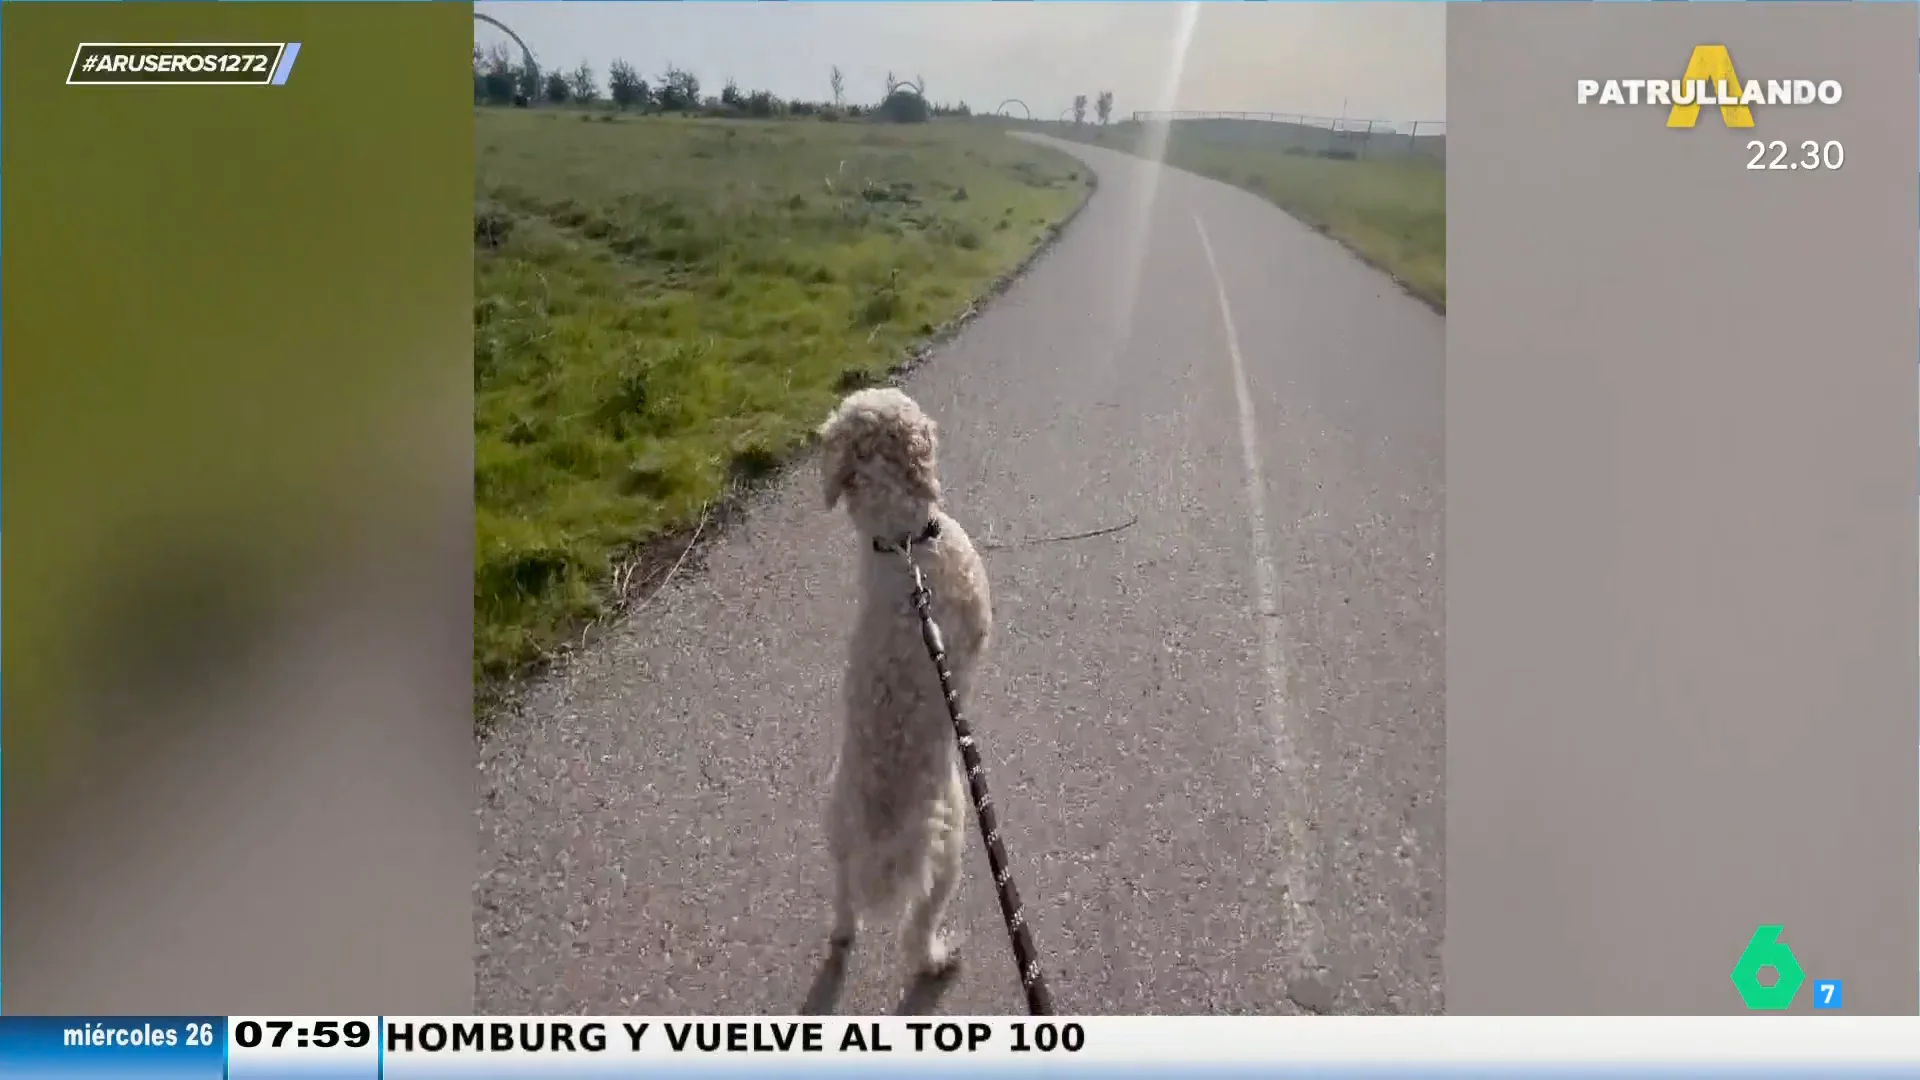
{"x":900,"y":781}
{"x":897,"y":814}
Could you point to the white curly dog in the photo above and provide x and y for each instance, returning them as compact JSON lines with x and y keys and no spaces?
{"x":896,"y":817}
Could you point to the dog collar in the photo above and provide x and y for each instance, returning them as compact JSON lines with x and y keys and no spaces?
{"x":886,"y":547}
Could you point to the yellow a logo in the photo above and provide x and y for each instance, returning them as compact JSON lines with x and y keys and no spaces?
{"x":1711,"y":66}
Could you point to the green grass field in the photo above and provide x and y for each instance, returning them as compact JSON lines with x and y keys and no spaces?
{"x":1391,"y":210}
{"x":665,"y":307}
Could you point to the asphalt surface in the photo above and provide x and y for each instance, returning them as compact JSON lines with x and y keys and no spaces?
{"x":1215,"y":737}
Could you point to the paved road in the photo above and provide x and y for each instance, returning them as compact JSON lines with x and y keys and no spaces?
{"x":1216,"y":737}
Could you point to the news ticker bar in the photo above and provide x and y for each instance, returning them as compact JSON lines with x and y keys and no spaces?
{"x":446,"y":1047}
{"x":150,"y":63}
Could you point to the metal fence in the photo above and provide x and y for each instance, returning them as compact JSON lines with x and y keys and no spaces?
{"x":1325,"y":135}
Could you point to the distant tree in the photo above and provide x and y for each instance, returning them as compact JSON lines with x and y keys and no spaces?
{"x":526,"y":85}
{"x":839,"y":83}
{"x":584,"y":86}
{"x":557,"y":91}
{"x":499,"y":78}
{"x":731,"y":97}
{"x":625,"y":86}
{"x":1079,"y":109}
{"x":679,"y":90}
{"x":1103,"y":106}
{"x":906,"y":102}
{"x":762,"y":105}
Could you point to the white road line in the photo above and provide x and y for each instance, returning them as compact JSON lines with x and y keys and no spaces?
{"x":1266,"y":581}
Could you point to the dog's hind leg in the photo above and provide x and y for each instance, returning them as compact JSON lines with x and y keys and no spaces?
{"x":923,"y":942}
{"x":847,"y":901}
{"x":846,"y":913}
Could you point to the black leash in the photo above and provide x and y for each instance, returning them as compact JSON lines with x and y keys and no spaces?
{"x":1025,"y":957}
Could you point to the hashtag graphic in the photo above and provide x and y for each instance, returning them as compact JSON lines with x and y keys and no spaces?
{"x":184,"y":63}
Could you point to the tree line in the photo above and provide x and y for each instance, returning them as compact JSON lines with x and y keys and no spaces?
{"x":500,"y":79}
{"x":1102,"y":107}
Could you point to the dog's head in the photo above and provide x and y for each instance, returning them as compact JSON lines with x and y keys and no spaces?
{"x":880,"y":452}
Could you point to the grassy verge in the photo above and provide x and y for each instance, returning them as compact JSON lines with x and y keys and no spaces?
{"x":1389,"y":210}
{"x":664,"y":308}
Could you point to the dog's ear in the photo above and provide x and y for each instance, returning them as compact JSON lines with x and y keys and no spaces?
{"x":920,"y":468}
{"x":836,"y":463}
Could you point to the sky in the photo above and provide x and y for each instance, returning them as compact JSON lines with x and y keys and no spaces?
{"x":1374,"y":61}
